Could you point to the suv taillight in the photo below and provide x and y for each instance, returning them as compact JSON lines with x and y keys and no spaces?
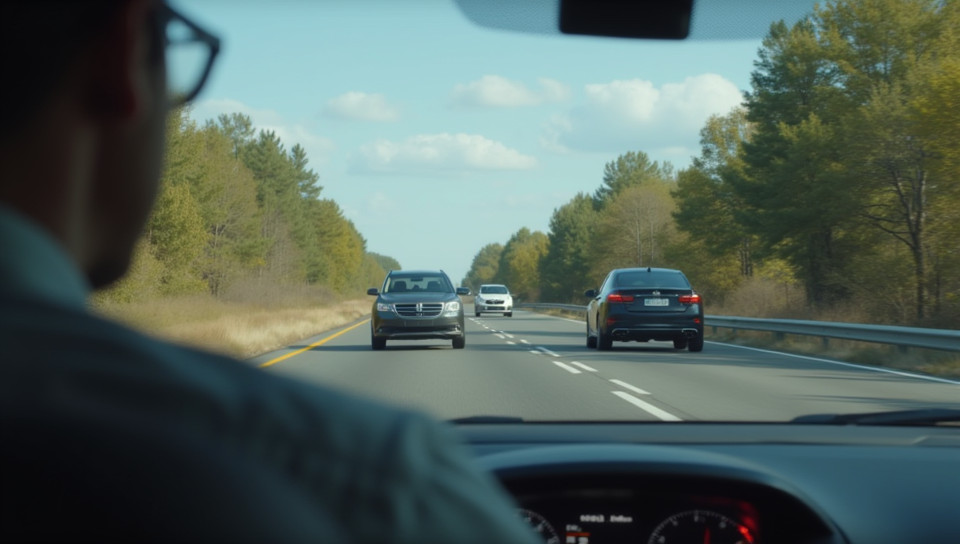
{"x":689,"y":299}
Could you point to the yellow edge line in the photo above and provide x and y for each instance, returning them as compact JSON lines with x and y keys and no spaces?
{"x":320,"y":342}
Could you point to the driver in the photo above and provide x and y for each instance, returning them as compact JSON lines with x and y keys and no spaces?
{"x":81,"y":156}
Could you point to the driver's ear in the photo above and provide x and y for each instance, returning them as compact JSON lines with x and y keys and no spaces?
{"x":118,"y":71}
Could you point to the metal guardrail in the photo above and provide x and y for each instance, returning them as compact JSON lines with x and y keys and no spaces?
{"x":916,"y":337}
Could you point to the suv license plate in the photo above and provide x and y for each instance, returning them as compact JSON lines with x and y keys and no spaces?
{"x":656,"y":302}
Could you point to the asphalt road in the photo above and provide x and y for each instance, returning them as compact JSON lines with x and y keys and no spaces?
{"x":537,"y":367}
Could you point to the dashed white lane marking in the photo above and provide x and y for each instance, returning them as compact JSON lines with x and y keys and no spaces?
{"x":548,"y":352}
{"x":567,"y":367}
{"x":633,"y":388}
{"x":583,"y":366}
{"x":524,"y":341}
{"x":507,"y":334}
{"x":647,"y":407}
{"x":498,"y":335}
{"x":536,"y":352}
{"x":511,"y":343}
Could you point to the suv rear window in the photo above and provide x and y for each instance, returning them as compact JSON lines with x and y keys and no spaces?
{"x":643,"y":279}
{"x":409,"y":283}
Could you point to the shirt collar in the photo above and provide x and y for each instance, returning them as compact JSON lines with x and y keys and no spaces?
{"x":33,"y":265}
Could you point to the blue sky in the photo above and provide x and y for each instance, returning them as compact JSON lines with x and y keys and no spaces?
{"x":436,"y":136}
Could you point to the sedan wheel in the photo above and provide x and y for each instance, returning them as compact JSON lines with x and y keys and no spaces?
{"x":604,"y":342}
{"x":459,"y":342}
{"x":591,"y":340}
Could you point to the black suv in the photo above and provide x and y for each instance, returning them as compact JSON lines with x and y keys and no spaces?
{"x":417,"y":305}
{"x":642,"y":304}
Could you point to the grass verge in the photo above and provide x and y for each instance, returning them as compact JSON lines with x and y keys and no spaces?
{"x":238,"y":329}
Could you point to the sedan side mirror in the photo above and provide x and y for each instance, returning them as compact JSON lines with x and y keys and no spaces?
{"x":590,"y":293}
{"x":373,"y":291}
{"x":463,"y":291}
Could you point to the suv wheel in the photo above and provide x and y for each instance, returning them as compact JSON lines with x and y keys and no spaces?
{"x":680,"y":343}
{"x":459,"y":342}
{"x":508,"y":314}
{"x":377,"y":343}
{"x":695,"y":344}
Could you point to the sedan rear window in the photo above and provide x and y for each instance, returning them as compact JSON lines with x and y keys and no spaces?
{"x":643,"y":279}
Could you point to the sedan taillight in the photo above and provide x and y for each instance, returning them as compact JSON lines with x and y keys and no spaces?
{"x":617,"y":297}
{"x":689,"y":299}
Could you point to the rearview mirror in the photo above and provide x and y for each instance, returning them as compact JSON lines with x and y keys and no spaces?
{"x":590,"y":293}
{"x":373,"y":291}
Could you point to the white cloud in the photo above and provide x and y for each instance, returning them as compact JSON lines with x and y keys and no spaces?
{"x":492,"y":91}
{"x":439,"y":153}
{"x":356,"y":105}
{"x":634,"y":114}
{"x":317,"y":147}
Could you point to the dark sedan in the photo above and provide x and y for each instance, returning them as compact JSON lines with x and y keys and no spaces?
{"x":643,"y":304}
{"x":417,"y":305}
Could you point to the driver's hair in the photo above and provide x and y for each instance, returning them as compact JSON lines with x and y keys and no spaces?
{"x":40,"y":39}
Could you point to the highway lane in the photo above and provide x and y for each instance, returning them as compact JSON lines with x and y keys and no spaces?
{"x":537,"y":367}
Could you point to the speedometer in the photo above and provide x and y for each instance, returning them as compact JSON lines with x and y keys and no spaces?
{"x":540,"y":525}
{"x":700,"y":527}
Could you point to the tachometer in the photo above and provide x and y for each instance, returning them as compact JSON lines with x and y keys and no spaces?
{"x":700,"y":527}
{"x":540,"y":525}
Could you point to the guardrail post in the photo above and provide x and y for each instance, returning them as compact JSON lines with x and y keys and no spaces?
{"x":779,"y":336}
{"x":824,"y":342}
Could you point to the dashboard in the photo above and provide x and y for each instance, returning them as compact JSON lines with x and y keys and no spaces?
{"x":726,"y":483}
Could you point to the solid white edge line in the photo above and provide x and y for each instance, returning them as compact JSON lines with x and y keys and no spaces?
{"x":567,"y":367}
{"x":633,"y":388}
{"x":842,"y":363}
{"x":647,"y":407}
{"x":583,"y":366}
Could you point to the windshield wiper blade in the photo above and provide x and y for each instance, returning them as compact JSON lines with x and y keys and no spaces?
{"x":486,"y":419}
{"x":920,"y":417}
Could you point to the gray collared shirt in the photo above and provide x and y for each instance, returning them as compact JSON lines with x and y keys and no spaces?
{"x":384,"y":474}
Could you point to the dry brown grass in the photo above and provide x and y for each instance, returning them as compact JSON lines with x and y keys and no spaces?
{"x":235,"y":328}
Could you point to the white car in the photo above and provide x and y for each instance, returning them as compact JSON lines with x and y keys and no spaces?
{"x":493,"y":298}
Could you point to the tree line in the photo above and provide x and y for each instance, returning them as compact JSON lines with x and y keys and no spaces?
{"x":237,"y":211}
{"x":837,"y":174}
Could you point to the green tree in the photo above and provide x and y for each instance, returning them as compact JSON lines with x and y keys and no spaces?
{"x":519,"y":266}
{"x":629,"y":170}
{"x":484,"y":267}
{"x":706,"y":202}
{"x":634,"y":228}
{"x":565,"y":269}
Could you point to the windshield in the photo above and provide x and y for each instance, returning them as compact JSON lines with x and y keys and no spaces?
{"x":404,"y":283}
{"x":797,"y":165}
{"x":494,"y":290}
